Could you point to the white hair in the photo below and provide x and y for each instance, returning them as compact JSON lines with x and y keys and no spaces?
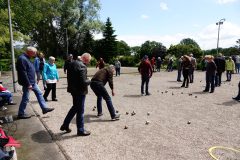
{"x":86,"y":57}
{"x":52,"y":58}
{"x":30,"y":48}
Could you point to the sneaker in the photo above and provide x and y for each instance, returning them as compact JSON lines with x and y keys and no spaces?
{"x":116,"y":118}
{"x":84,"y":133}
{"x":46,"y":110}
{"x":65,"y":128}
{"x":24,"y":116}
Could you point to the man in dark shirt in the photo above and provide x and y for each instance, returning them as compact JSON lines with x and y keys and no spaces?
{"x":220,"y":63}
{"x":210,"y":73}
{"x":26,"y":78}
{"x":78,"y":87}
{"x":98,"y":83}
{"x":67,"y":62}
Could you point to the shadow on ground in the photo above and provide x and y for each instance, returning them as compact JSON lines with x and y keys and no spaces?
{"x":41,"y":137}
{"x":132,"y":95}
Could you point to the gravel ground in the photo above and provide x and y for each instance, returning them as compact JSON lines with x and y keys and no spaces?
{"x":214,"y":120}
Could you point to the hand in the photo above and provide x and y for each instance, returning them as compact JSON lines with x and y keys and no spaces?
{"x":30,"y":87}
{"x":113,"y":94}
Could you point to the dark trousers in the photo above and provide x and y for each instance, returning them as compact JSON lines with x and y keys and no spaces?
{"x":50,"y":87}
{"x":191,"y":75}
{"x":117,"y":71}
{"x":218,"y":79}
{"x":145,"y":80}
{"x":229,"y":75}
{"x":101,"y":93}
{"x":185,"y":77}
{"x":179,"y":75}
{"x":77,"y":108}
{"x":210,"y":82}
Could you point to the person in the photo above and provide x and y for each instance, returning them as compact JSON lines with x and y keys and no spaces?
{"x":67,"y":62}
{"x":145,"y":69}
{"x":78,"y":87}
{"x":26,"y":78}
{"x":210,"y":73}
{"x":6,"y":96}
{"x":237,"y":98}
{"x":117,"y":67}
{"x":98,"y":83}
{"x":220,"y":63}
{"x":179,"y":68}
{"x":186,"y":64}
{"x":170,"y":65}
{"x":158,"y":64}
{"x":229,"y":67}
{"x":237,"y":63}
{"x":39,"y":65}
{"x":192,"y":68}
{"x":100,"y":64}
{"x":153,"y":62}
{"x":51,"y":77}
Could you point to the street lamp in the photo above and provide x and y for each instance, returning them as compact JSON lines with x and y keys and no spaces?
{"x":66,"y":40}
{"x":219,"y":24}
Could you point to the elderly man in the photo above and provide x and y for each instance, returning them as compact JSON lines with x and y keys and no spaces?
{"x":26,"y":78}
{"x":98,"y":83}
{"x":78,"y":87}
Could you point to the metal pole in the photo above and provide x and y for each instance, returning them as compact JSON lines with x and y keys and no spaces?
{"x":67,"y":40}
{"x":218,"y":35}
{"x":12,"y":49}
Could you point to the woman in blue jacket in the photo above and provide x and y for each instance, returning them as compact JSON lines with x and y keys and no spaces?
{"x":51,"y":77}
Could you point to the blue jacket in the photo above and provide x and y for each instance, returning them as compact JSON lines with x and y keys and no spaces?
{"x":25,"y":70}
{"x":50,"y":72}
{"x":36,"y":64}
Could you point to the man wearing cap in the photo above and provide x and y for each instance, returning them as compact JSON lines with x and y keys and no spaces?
{"x":26,"y":78}
{"x":145,"y":69}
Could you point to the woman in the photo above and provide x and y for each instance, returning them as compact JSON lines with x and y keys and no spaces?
{"x":39,"y":65}
{"x":186,"y":64}
{"x":51,"y":77}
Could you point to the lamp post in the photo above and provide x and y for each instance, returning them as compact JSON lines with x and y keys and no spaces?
{"x":219,"y":24}
{"x":12,"y":49}
{"x":66,"y":40}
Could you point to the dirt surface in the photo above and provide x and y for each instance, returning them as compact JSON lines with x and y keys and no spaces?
{"x":183,"y":122}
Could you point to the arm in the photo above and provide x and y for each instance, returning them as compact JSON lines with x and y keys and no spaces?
{"x":22,"y":71}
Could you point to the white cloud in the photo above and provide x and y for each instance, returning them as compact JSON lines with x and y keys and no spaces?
{"x":163,"y":6}
{"x":226,"y":1}
{"x":143,"y":16}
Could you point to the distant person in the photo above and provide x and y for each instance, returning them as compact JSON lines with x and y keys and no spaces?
{"x":39,"y":62}
{"x":170,"y":65}
{"x":26,"y":78}
{"x":237,"y":63}
{"x":220,"y":63}
{"x":98,"y":83}
{"x":192,"y":68}
{"x":186,"y":64}
{"x":117,"y":67}
{"x":210,"y":73}
{"x":229,"y":67}
{"x":179,"y":68}
{"x":145,"y":69}
{"x":78,"y":87}
{"x":67,"y":62}
{"x":51,"y":77}
{"x":158,"y":64}
{"x":153,"y":62}
{"x":100,"y":64}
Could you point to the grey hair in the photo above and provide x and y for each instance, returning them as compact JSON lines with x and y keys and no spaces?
{"x":52,"y":58}
{"x":30,"y":48}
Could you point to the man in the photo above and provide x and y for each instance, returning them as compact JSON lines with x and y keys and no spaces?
{"x":145,"y":69}
{"x":179,"y":68}
{"x":117,"y":67}
{"x":159,"y":63}
{"x":26,"y":78}
{"x":67,"y":62}
{"x":78,"y":87}
{"x":192,"y":68}
{"x":220,"y":63}
{"x":230,"y":67}
{"x":98,"y":83}
{"x":237,"y":63}
{"x":100,"y":63}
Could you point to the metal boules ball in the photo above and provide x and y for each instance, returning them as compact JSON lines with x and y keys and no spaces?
{"x":147,"y":122}
{"x":189,"y":122}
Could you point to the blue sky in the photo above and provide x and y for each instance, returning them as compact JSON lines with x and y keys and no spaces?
{"x":169,"y":21}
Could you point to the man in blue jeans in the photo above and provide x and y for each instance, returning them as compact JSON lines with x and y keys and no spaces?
{"x":98,"y":83}
{"x":78,"y":87}
{"x":26,"y":78}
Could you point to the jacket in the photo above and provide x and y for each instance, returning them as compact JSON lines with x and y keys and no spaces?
{"x":145,"y":69}
{"x":50,"y":72}
{"x":104,"y":75}
{"x":230,"y":65}
{"x":77,"y":78}
{"x":25,"y":71}
{"x":220,"y":63}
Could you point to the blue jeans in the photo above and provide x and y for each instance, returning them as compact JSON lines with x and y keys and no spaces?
{"x":101,"y":92}
{"x":77,"y":108}
{"x":145,"y":80}
{"x":7,"y":96}
{"x":25,"y":98}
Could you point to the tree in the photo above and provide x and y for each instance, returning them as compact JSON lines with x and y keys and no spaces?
{"x":152,"y":49}
{"x":109,"y":40}
{"x":182,"y":49}
{"x":189,"y":41}
{"x":123,"y":48}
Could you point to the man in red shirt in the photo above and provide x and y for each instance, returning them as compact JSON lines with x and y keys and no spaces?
{"x":145,"y":69}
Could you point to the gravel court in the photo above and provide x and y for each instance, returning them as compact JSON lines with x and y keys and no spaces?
{"x":214,"y":120}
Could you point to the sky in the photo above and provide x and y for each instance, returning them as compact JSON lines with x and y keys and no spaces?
{"x":170,"y":21}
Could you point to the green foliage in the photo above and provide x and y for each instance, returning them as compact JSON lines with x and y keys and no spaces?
{"x":189,"y":41}
{"x":123,"y":49}
{"x":5,"y":64}
{"x":152,"y":49}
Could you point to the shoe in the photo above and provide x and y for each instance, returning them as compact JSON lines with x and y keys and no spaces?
{"x":211,"y":92}
{"x":179,"y":80}
{"x":46,"y":110}
{"x":55,"y":99}
{"x":142,"y":94}
{"x":186,"y":87}
{"x":24,"y":116}
{"x":236,"y":98}
{"x":148,"y":94}
{"x":99,"y":114}
{"x":45,"y":99}
{"x":11,"y":103}
{"x":84,"y":133}
{"x":205,"y":90}
{"x":182,"y":86}
{"x":65,"y":128}
{"x":116,"y":118}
